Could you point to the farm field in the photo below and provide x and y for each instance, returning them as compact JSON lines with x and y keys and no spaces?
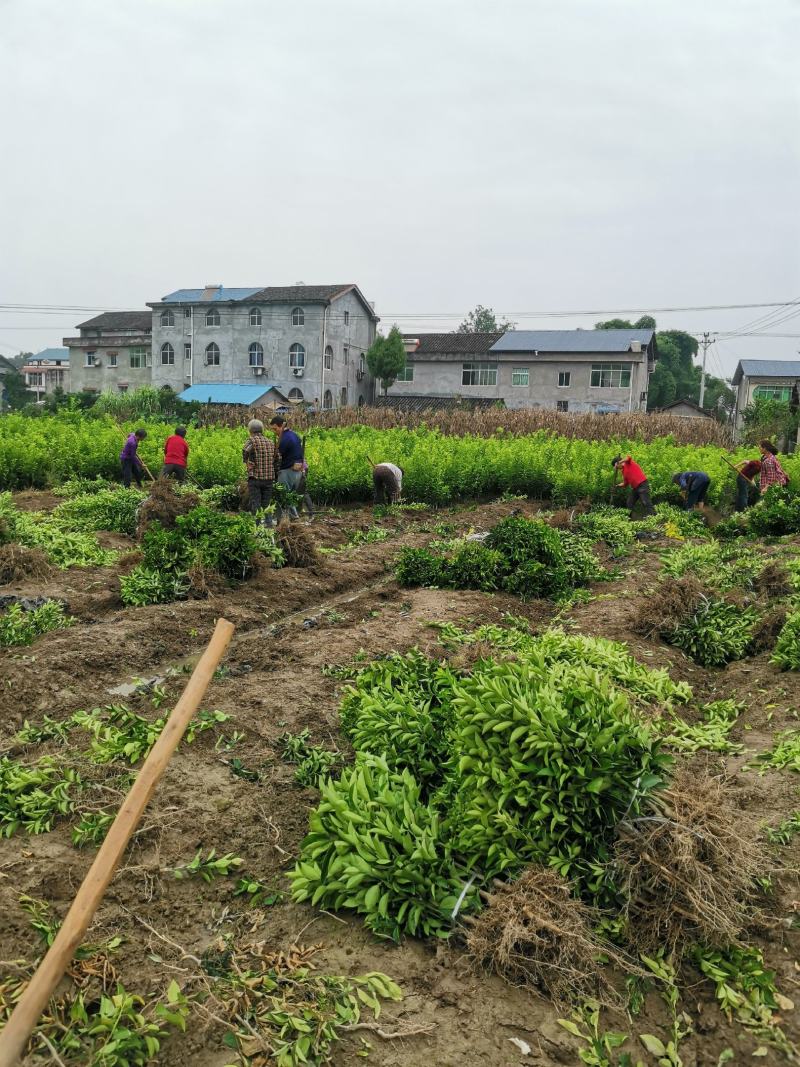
{"x":719,"y":731}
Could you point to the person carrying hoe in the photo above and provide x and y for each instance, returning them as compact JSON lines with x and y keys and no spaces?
{"x":636,"y":481}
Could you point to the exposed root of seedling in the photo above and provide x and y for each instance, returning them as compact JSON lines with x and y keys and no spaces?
{"x":534,"y":932}
{"x":297,"y":545}
{"x":163,"y":505}
{"x":688,"y":870}
{"x":766,"y":630}
{"x":18,"y":562}
{"x":668,"y":606}
{"x":773,"y":581}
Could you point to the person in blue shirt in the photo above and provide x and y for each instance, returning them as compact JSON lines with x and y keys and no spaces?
{"x":290,"y":448}
{"x":693,"y":486}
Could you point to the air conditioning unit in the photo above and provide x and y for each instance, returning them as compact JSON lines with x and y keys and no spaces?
{"x":97,"y":363}
{"x":258,"y":371}
{"x":298,"y":372}
{"x":359,"y":375}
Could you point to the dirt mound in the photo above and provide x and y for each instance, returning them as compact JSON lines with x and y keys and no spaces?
{"x":668,"y":606}
{"x":164,"y":505}
{"x":18,"y":563}
{"x":297,"y":544}
{"x":688,"y":869}
{"x":534,"y":932}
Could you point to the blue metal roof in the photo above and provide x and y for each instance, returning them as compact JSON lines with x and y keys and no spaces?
{"x":766,"y":368}
{"x":225,"y":393}
{"x":571,"y":340}
{"x":195,"y":296}
{"x":53,"y":353}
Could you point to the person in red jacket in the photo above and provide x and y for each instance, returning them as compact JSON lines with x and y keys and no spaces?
{"x":176,"y":453}
{"x":636,"y":481}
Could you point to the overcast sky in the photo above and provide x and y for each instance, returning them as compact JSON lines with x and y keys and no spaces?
{"x":528,"y":155}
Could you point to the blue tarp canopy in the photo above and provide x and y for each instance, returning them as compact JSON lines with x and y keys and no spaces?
{"x":225,"y":393}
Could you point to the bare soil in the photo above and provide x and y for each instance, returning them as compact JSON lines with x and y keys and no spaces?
{"x":290,"y":623}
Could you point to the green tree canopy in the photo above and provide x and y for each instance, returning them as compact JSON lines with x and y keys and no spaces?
{"x":387,"y":357}
{"x":646,"y":322}
{"x":484,"y":320}
{"x":15,"y":393}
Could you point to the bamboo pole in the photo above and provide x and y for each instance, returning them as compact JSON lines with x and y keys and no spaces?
{"x":51,"y":969}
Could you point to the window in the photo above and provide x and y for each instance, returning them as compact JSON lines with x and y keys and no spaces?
{"x":406,"y":374}
{"x":112,"y":359}
{"x":187,"y":350}
{"x":90,"y":359}
{"x":297,"y":356}
{"x":167,"y":318}
{"x":298,"y":317}
{"x":562,"y":405}
{"x":347,"y":318}
{"x":167,"y":355}
{"x":256,"y":353}
{"x":479,"y":374}
{"x":296,"y":394}
{"x":138,"y":355}
{"x":327,"y":401}
{"x":328,"y":357}
{"x":362,"y":364}
{"x":772,"y":392}
{"x":345,"y":354}
{"x":361,"y":400}
{"x":255,"y":316}
{"x":212,"y":317}
{"x":564,"y":377}
{"x":212,"y":355}
{"x":611,"y":376}
{"x":343,"y":400}
{"x":122,"y":388}
{"x":519,"y":375}
{"x":187,"y":313}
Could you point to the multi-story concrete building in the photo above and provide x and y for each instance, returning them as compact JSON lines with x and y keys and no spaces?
{"x":767,"y":379}
{"x":112,"y":354}
{"x":568,"y":370}
{"x":308,"y":341}
{"x":47,"y":371}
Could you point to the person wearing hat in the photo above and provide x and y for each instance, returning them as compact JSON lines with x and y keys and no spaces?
{"x":634,"y":478}
{"x":260,"y":456}
{"x":693,"y":486}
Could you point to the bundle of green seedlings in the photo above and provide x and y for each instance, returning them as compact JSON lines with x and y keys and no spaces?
{"x":720,"y":567}
{"x":19,"y":626}
{"x":64,"y":546}
{"x":112,"y":509}
{"x":526,"y":558}
{"x":610,"y":525}
{"x":787,"y":647}
{"x":708,"y":627}
{"x":674,"y":522}
{"x":201,"y":544}
{"x":459,"y":777}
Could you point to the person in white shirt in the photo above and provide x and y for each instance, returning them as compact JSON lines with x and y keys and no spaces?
{"x":387,"y":482}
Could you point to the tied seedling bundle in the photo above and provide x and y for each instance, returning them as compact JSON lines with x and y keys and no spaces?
{"x":522,"y":557}
{"x":458,"y":777}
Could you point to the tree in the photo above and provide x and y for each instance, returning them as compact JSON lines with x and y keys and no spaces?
{"x":387,"y":358}
{"x":15,"y":393}
{"x":484,"y":320}
{"x":646,"y":322}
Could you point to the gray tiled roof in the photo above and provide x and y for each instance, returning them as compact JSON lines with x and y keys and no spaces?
{"x":308,"y":294}
{"x":766,"y":368}
{"x":572,"y":340}
{"x":119,"y":320}
{"x":455,"y":343}
{"x":432,"y":403}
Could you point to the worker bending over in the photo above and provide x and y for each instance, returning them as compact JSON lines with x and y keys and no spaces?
{"x":634,"y":478}
{"x":176,"y":454}
{"x":693,"y":486}
{"x":746,"y":489}
{"x":387,"y":482}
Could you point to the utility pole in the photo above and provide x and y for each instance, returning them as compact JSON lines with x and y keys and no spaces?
{"x":705,"y":343}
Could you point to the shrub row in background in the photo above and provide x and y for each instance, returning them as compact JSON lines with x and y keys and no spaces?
{"x":439,"y":468}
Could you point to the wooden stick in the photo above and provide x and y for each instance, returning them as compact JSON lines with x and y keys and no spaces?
{"x":373,"y":465}
{"x":50,"y":971}
{"x":147,"y":470}
{"x":733,"y":468}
